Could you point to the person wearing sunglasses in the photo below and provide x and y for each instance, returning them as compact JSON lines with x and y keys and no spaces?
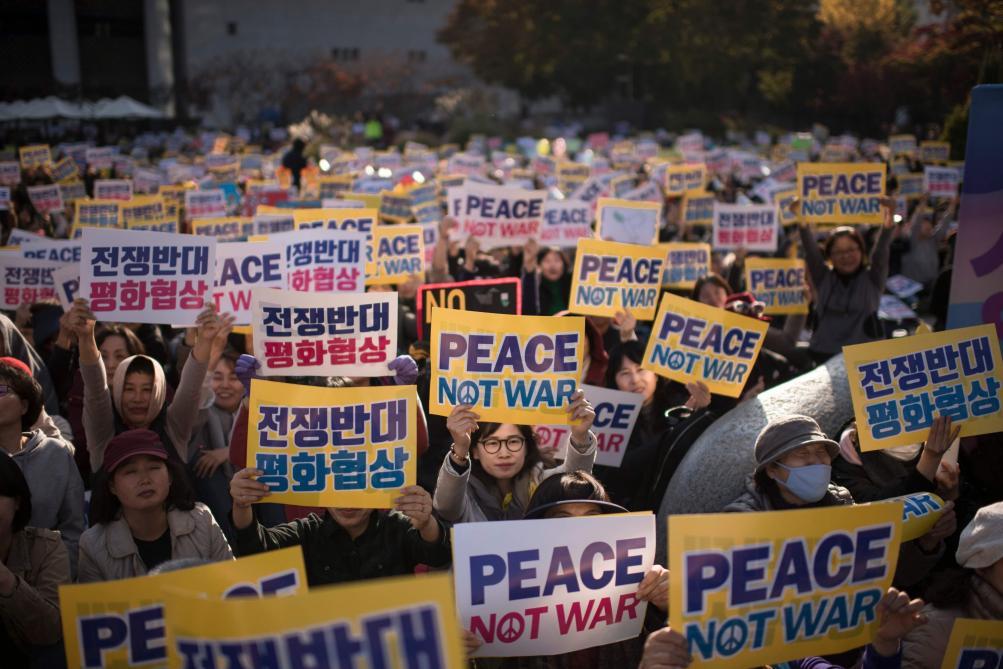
{"x":492,"y":469}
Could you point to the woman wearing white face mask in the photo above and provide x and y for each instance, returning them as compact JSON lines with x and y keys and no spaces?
{"x":793,"y":469}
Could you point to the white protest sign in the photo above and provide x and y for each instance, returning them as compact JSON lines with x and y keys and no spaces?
{"x":465,"y":163}
{"x":324,"y":261}
{"x":616,"y":415}
{"x":19,"y":236}
{"x":941,"y":181}
{"x":10,"y":173}
{"x":903,"y":286}
{"x":46,"y":199}
{"x":628,"y":221}
{"x":209,"y":203}
{"x":749,"y":226}
{"x":543,"y":587}
{"x":61,"y":251}
{"x":891,"y":308}
{"x":565,"y":222}
{"x":66,"y":282}
{"x":25,"y":280}
{"x":113,"y":189}
{"x":241,"y":266}
{"x":495,"y":215}
{"x":301,"y":334}
{"x":137,"y":276}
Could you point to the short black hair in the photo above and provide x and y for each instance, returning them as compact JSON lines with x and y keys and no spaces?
{"x":14,"y":485}
{"x":485,"y":430}
{"x":712,"y":278}
{"x":133,"y":344}
{"x":105,"y":505}
{"x":26,"y":388}
{"x":567,"y":487}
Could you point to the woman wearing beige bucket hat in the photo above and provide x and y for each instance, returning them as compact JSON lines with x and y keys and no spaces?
{"x":973,"y":591}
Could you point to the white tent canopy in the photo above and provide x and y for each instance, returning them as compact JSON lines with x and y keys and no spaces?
{"x":53,"y":107}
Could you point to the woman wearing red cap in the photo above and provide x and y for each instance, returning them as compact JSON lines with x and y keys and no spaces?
{"x":144,"y":513}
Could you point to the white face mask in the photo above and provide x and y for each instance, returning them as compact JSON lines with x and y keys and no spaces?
{"x":904,"y":453}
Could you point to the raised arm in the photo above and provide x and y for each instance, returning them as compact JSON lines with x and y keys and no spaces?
{"x":878,"y":271}
{"x":99,"y":416}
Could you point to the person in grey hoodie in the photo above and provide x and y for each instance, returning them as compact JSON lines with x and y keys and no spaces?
{"x":57,"y":491}
{"x":846,"y":286}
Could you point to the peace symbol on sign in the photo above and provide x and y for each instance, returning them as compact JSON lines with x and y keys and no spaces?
{"x":510,"y":627}
{"x":732,"y":637}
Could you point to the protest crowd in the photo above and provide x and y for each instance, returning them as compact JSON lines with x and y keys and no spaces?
{"x":476,"y":369}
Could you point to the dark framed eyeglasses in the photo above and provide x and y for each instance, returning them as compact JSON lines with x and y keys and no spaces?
{"x":514,"y":444}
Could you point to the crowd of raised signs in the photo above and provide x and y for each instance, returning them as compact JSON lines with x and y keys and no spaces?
{"x":214,"y":349}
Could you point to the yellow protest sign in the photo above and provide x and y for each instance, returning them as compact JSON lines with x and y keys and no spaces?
{"x":628,"y":221}
{"x":98,"y":214}
{"x":920,"y":512}
{"x":511,"y":369}
{"x":395,"y":207}
{"x":685,"y":262}
{"x":899,"y":386}
{"x":391,"y":622}
{"x":783,"y":201}
{"x":609,"y":278}
{"x":748,"y":589}
{"x":146,"y":208}
{"x":35,"y":155}
{"x":840,"y":193}
{"x":974,"y":644}
{"x":778,"y":283}
{"x":224,"y":229}
{"x":398,"y":253}
{"x":698,"y":208}
{"x":371,"y":200}
{"x":120,"y":623}
{"x":691,"y":341}
{"x":333,"y":447}
{"x":683,"y":179}
{"x":931,"y":152}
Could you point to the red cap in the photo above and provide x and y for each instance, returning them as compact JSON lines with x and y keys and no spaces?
{"x":129,"y":443}
{"x":14,"y":362}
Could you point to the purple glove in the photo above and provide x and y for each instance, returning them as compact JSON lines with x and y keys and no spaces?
{"x":405,"y":370}
{"x":246,"y":368}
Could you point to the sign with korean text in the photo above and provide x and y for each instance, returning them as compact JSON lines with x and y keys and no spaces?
{"x":749,"y":226}
{"x":902,"y":145}
{"x":911,"y":186}
{"x":333,"y":447}
{"x":493,"y":296}
{"x":65,"y":170}
{"x":496,"y":215}
{"x":840,"y":193}
{"x":511,"y":369}
{"x":240,"y":268}
{"x":169,"y":225}
{"x":565,"y":222}
{"x":121,"y":623}
{"x":324,"y":261}
{"x":628,"y":221}
{"x":616,"y":415}
{"x":941,"y":181}
{"x":693,"y":341}
{"x":10,"y":173}
{"x":100,"y":157}
{"x":778,"y":283}
{"x":974,"y":644}
{"x":395,"y":207}
{"x":302,"y":334}
{"x":899,"y":388}
{"x":35,"y":155}
{"x":549,"y":586}
{"x":398,"y":254}
{"x":143,"y":208}
{"x":146,"y":277}
{"x":46,"y":199}
{"x":685,"y":263}
{"x":698,"y":208}
{"x":609,"y":278}
{"x":209,"y":203}
{"x":113,"y":189}
{"x":748,"y":589}
{"x":98,"y":214}
{"x":25,"y":280}
{"x":683,"y":179}
{"x":406,"y":622}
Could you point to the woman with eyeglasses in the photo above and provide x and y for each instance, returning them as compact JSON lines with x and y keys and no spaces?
{"x":492,"y":469}
{"x":847,"y":285}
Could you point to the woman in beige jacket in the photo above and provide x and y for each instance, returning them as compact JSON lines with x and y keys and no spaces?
{"x":144,"y":514}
